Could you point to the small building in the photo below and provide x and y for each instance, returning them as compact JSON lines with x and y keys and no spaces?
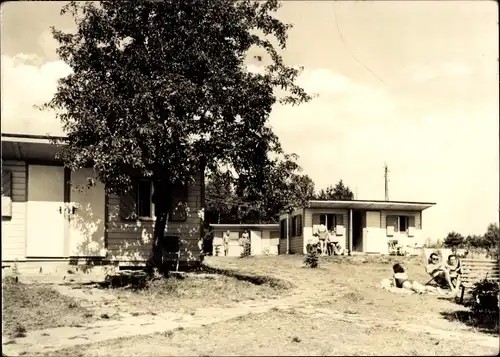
{"x":45,"y":217}
{"x":360,"y":225}
{"x":264,"y":238}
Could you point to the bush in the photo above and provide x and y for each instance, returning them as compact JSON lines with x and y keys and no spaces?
{"x":247,"y":251}
{"x":486,"y":297}
{"x":312,"y":257}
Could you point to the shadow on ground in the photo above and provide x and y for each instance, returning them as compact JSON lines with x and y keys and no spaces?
{"x":484,"y":322}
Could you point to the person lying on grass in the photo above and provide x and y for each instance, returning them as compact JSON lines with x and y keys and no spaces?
{"x":402,"y":281}
{"x":440,"y":272}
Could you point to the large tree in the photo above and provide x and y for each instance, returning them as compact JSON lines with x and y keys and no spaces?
{"x":160,"y":89}
{"x":338,"y":192}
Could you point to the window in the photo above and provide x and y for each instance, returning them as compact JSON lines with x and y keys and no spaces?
{"x":404,"y":223}
{"x":297,"y":226}
{"x":7,"y":184}
{"x":329,"y":220}
{"x":145,"y":207}
{"x":400,"y":223}
{"x":138,"y":203}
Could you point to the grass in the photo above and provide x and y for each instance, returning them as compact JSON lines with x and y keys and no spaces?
{"x":35,"y":307}
{"x":282,"y":333}
{"x":347,"y":285}
{"x":175,"y":294}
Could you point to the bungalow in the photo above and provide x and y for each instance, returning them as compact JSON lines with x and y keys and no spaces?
{"x":46,"y":217}
{"x":264,"y":238}
{"x":361,"y":226}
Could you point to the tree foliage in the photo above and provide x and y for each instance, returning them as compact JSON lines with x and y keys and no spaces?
{"x":282,"y":188}
{"x":454,"y":239}
{"x":488,"y":241}
{"x":338,"y":192}
{"x":161,"y":89}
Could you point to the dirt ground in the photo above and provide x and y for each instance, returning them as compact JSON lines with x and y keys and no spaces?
{"x":336,"y":309}
{"x":285,"y":333}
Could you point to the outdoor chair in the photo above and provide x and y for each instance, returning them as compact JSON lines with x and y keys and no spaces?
{"x":172,"y":251}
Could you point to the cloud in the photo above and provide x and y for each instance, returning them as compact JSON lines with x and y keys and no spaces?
{"x":352,"y":128}
{"x":25,"y":83}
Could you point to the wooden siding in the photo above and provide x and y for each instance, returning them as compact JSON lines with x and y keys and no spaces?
{"x":14,"y":228}
{"x":297,"y":242}
{"x":132,"y":240}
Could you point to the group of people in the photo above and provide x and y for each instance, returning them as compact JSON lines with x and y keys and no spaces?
{"x":209,"y":244}
{"x":445,"y":273}
{"x":328,"y":243}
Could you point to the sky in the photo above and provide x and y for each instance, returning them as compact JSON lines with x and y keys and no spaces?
{"x":411,"y":84}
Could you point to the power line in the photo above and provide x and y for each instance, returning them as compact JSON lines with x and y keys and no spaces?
{"x":349,"y":50}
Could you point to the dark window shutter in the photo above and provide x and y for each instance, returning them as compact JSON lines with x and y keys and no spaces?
{"x":179,"y":202}
{"x":128,"y":204}
{"x":412,"y":221}
{"x":7,"y":184}
{"x":340,"y":219}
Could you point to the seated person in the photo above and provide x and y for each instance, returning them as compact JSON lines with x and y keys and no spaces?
{"x":439,"y":272}
{"x":402,"y":281}
{"x":453,"y":267}
{"x":333,"y":245}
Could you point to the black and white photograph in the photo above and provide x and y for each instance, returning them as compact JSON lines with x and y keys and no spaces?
{"x":250,"y":178}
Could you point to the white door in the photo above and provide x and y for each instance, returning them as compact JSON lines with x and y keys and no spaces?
{"x":256,"y":242}
{"x":87,"y":214}
{"x":372,"y":240}
{"x":45,"y":212}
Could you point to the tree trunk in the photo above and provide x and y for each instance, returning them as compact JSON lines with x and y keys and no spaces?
{"x":159,"y":238}
{"x":162,"y":201}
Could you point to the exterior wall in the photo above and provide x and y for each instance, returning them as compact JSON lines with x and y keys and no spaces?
{"x":131,"y":241}
{"x":311,"y":218}
{"x":297,"y":242}
{"x":403,"y":237}
{"x":14,"y":228}
{"x":270,"y":242}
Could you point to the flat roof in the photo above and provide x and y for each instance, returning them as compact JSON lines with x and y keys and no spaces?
{"x":371,"y":204}
{"x":29,"y":138}
{"x":250,"y":225}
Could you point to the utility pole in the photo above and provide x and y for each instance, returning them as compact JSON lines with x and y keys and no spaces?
{"x":386,"y":177}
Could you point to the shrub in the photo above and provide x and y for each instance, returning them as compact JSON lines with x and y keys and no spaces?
{"x":246,"y":250}
{"x":486,"y":297}
{"x":312,"y":258}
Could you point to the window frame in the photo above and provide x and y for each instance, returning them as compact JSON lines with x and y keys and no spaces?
{"x":397,"y":227}
{"x":406,"y":220}
{"x":297,"y":228}
{"x":334,"y":219}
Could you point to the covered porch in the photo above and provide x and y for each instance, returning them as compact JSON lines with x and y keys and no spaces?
{"x":370,"y":225}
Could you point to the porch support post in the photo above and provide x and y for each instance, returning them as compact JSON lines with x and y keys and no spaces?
{"x":287,"y":233}
{"x":349,"y":244}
